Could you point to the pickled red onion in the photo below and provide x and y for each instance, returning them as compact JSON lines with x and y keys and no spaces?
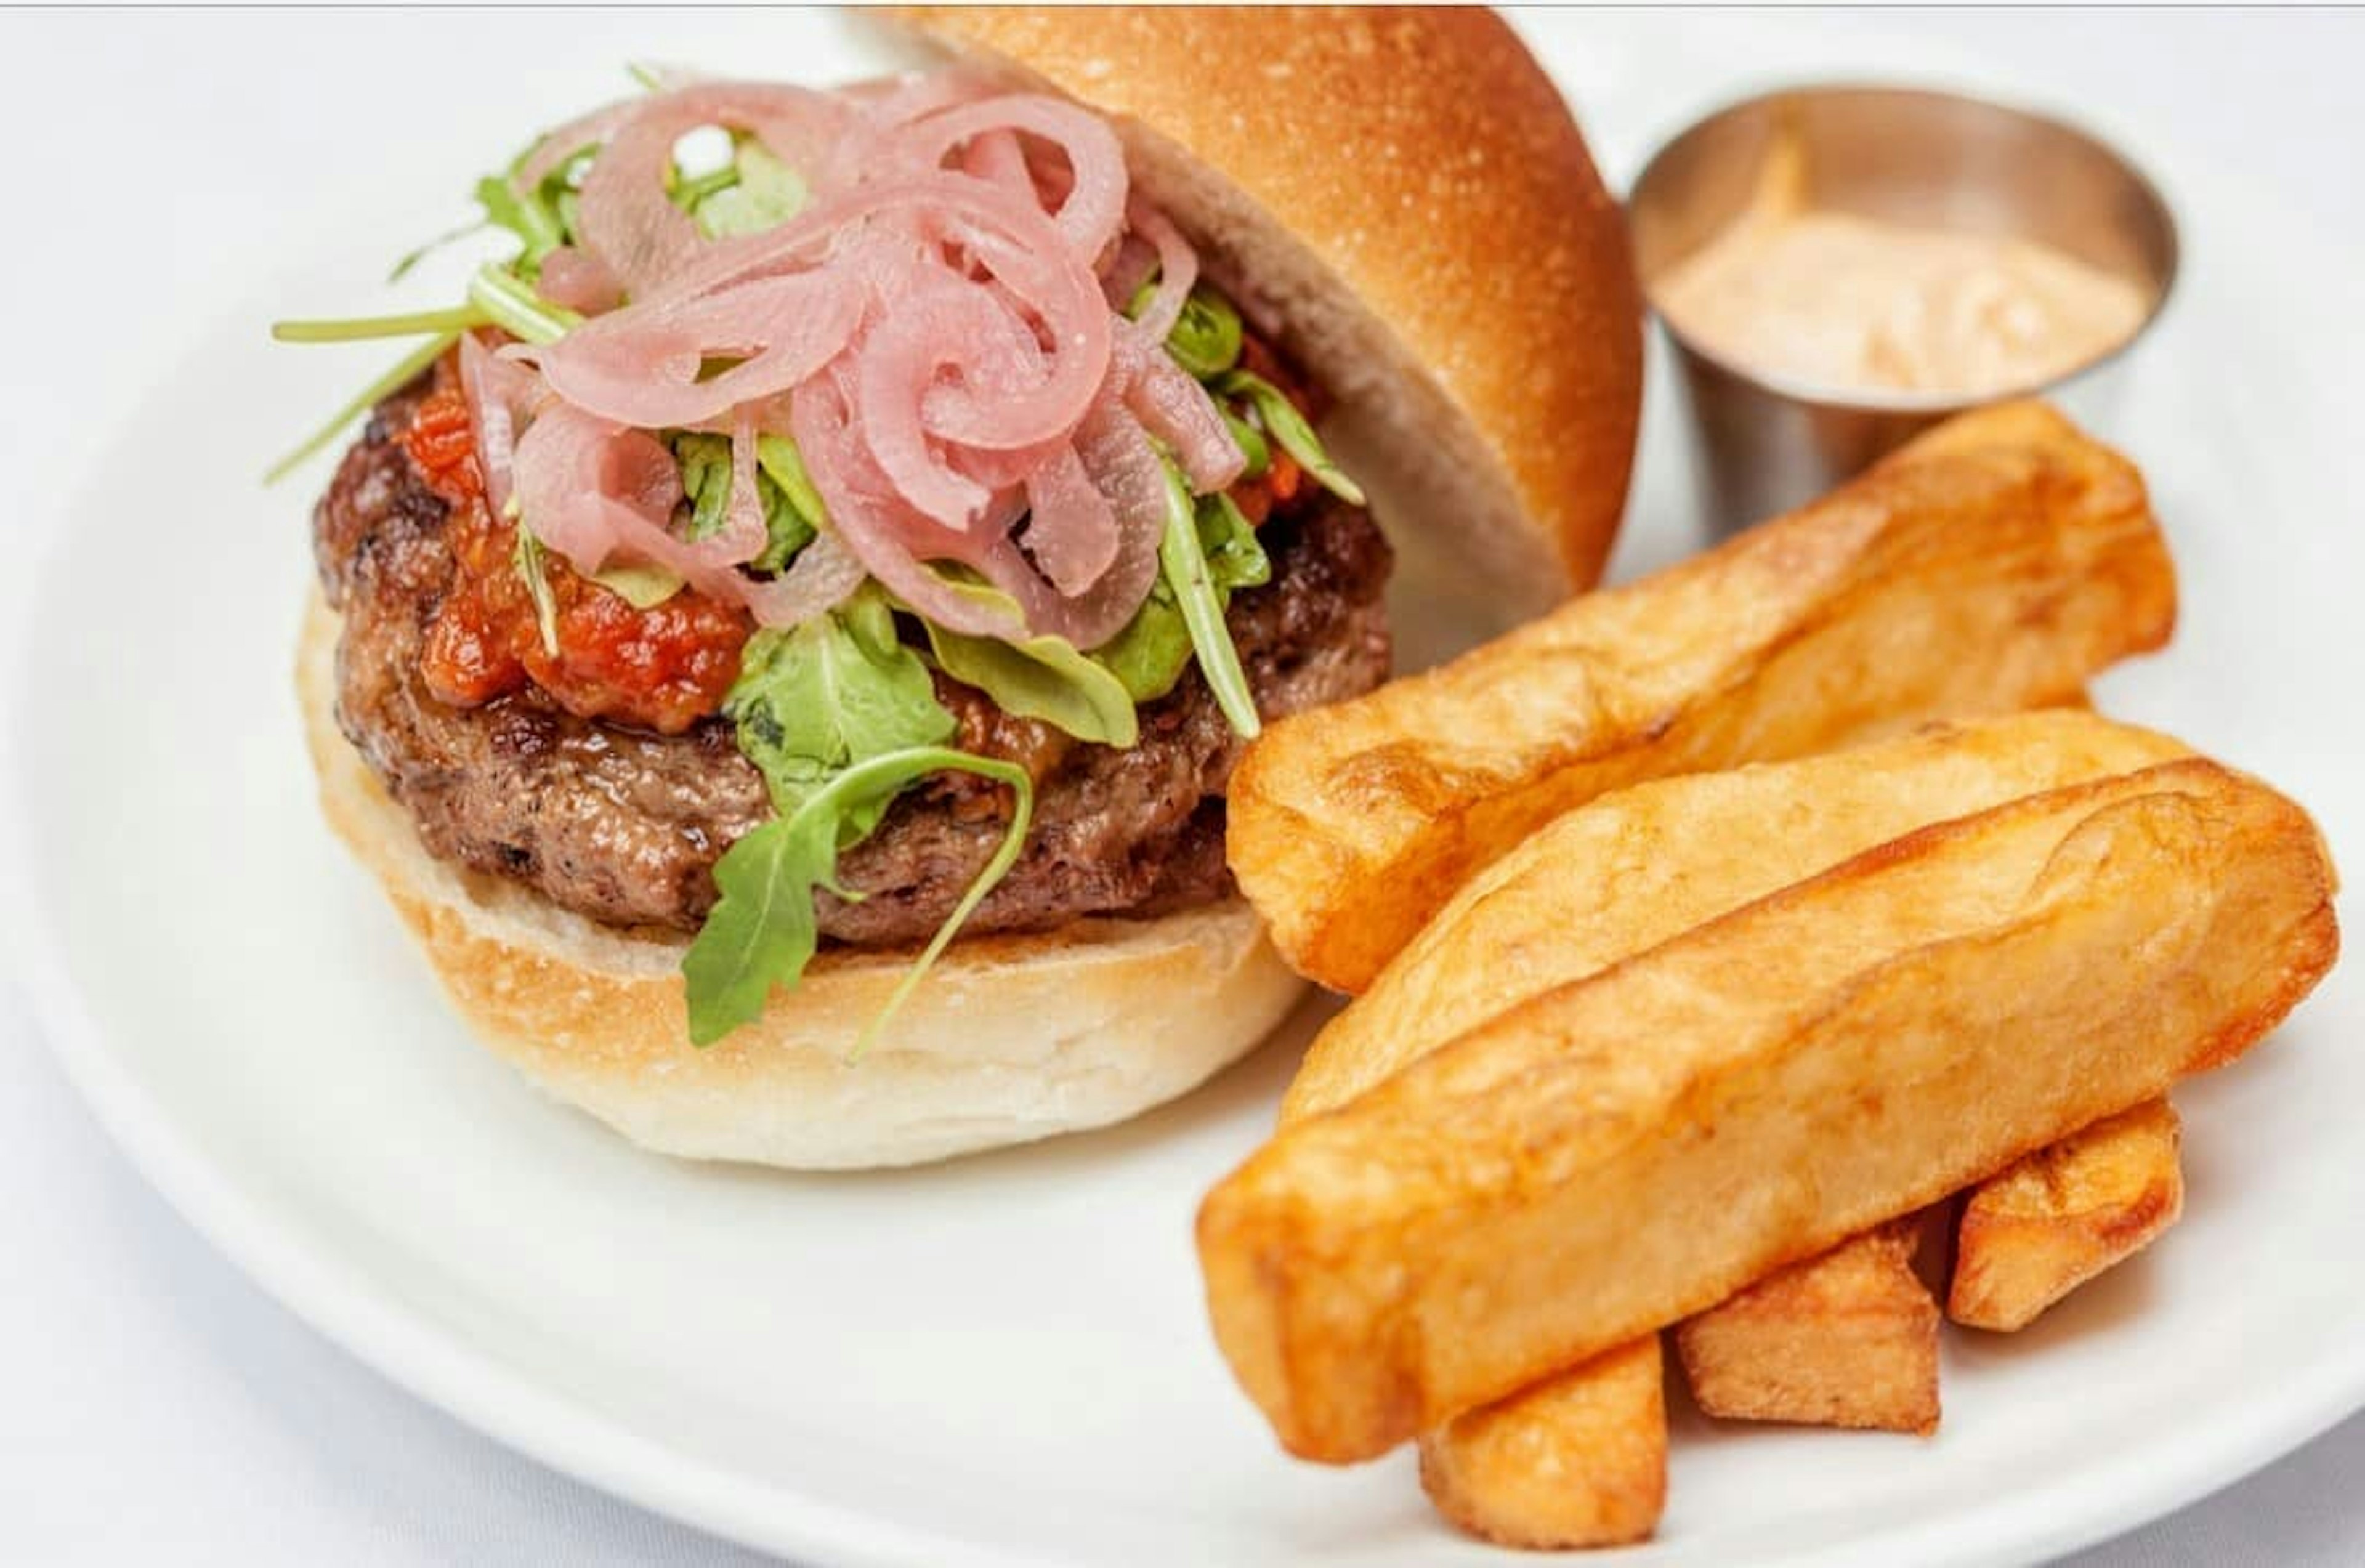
{"x":935,"y":328}
{"x":578,"y":281}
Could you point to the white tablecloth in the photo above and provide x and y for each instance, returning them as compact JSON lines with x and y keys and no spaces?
{"x":156,"y":1405}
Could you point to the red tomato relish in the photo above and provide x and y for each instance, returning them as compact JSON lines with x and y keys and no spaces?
{"x":661,"y":668}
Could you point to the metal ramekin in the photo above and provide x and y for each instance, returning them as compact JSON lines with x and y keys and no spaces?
{"x":1766,"y":442}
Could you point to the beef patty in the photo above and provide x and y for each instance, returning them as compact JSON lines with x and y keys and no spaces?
{"x":625,"y":826}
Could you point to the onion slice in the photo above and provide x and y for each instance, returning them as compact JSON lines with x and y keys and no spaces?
{"x":938,"y":328}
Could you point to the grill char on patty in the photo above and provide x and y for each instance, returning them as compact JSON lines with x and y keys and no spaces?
{"x":625,"y":826}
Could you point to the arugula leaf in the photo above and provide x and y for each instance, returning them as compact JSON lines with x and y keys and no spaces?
{"x":816,"y":699}
{"x":514,"y":307}
{"x":353,"y":329}
{"x":705,"y":460}
{"x":526,"y":555}
{"x":1236,"y":557}
{"x":792,"y":508}
{"x":1184,"y":560}
{"x":1152,"y":651}
{"x":405,"y":370}
{"x":411,"y":258}
{"x":762,"y":193}
{"x":777,"y":456}
{"x":688,"y":191}
{"x":1043,"y":677}
{"x":1285,"y":424}
{"x":643,"y":587}
{"x":1251,"y":439}
{"x":532,"y":216}
{"x":763,"y":930}
{"x":1205,"y":338}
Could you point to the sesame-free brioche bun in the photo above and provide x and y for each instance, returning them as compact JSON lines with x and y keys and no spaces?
{"x":1403,"y":200}
{"x":1009,"y":1039}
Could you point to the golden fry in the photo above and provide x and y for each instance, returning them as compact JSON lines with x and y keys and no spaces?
{"x":1848,"y":1338}
{"x":2033,"y":1233}
{"x":1558,"y":1462}
{"x":1633,"y":868}
{"x":1992,"y":566}
{"x":1579,"y":1460}
{"x":1761,"y":1088}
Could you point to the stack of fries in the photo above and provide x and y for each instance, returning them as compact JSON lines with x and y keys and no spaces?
{"x":1723,"y":948}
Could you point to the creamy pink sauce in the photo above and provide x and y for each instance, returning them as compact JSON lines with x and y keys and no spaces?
{"x":1860,"y":304}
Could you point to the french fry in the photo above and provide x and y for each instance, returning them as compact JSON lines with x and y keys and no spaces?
{"x":1848,"y":1338}
{"x":1762,"y":1087}
{"x":1633,"y":868}
{"x":1579,"y":1460}
{"x":2034,"y":1232}
{"x":1991,"y":566}
{"x":1526,"y":925}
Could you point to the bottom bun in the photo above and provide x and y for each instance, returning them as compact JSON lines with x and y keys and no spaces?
{"x":1009,"y":1039}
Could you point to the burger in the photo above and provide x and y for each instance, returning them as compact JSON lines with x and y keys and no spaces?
{"x":781,"y":642}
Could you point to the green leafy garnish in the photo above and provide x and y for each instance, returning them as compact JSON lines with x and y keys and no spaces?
{"x":1182,"y":559}
{"x":405,"y":370}
{"x":511,"y":305}
{"x":689,"y":190}
{"x":752,"y":193}
{"x":1281,"y":422}
{"x":411,"y":258}
{"x":840,"y":718}
{"x":354,"y":329}
{"x":1205,"y":338}
{"x":792,"y":508}
{"x":526,"y":556}
{"x":764,"y":929}
{"x":1250,"y":442}
{"x":533,"y":216}
{"x":643,"y":587}
{"x":1236,"y":557}
{"x":1043,"y":677}
{"x":777,"y":456}
{"x":705,"y":460}
{"x":816,"y":699}
{"x":1154,"y":649}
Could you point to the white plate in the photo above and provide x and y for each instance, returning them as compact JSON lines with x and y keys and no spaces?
{"x":1006,"y":1360}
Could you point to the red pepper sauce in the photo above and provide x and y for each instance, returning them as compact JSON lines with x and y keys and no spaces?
{"x":662,"y":668}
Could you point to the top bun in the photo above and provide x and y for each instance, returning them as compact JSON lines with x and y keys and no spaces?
{"x":1402,"y":198}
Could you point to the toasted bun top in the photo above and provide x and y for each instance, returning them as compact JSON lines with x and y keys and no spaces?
{"x":1402,"y":197}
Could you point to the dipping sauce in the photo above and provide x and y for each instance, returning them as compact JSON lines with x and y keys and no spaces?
{"x":1863,"y":304}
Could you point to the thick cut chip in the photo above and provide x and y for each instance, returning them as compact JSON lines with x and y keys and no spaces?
{"x":2032,"y":1234}
{"x":1633,"y":868}
{"x":1581,"y":1461}
{"x":1848,"y":1338}
{"x":1558,"y":1462}
{"x":1761,"y":1088}
{"x":1993,"y":565}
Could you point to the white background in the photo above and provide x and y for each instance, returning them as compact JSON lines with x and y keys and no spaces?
{"x":155,"y":1405}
